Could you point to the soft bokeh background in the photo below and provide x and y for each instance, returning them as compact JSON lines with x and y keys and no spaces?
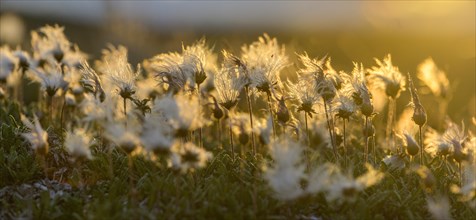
{"x":345,"y":30}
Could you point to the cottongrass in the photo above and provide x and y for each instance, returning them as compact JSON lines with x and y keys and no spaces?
{"x":179,"y":94}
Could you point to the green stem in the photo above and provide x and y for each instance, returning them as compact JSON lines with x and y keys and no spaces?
{"x":366,"y":138}
{"x":125,"y":111}
{"x":307,"y":130}
{"x":330,"y":130}
{"x":421,"y":146}
{"x":231,"y":141}
{"x":272,"y":117}
{"x":250,"y":110}
{"x":345,"y":147}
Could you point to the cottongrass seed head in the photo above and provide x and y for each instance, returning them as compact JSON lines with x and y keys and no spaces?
{"x":286,"y":172}
{"x":387,"y":77}
{"x":37,"y":137}
{"x":77,"y":143}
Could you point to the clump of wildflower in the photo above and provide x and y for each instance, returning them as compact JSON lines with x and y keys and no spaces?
{"x":188,"y":157}
{"x":92,"y":81}
{"x":313,"y":68}
{"x":344,"y":188}
{"x":49,"y":42}
{"x":37,"y":137}
{"x":201,"y":61}
{"x":147,"y":89}
{"x":320,"y":178}
{"x":427,"y":179}
{"x":434,"y":78}
{"x":467,"y":190}
{"x":241,"y":127}
{"x":439,"y":208}
{"x":435,"y":144}
{"x":455,"y":136}
{"x":360,"y":92}
{"x":176,"y":70}
{"x":345,"y":107}
{"x":24,"y":59}
{"x":305,"y":93}
{"x":8,"y":63}
{"x":228,"y":86}
{"x":388,"y":77}
{"x":183,"y":112}
{"x":263,"y":129}
{"x":95,"y":110}
{"x":51,"y":79}
{"x":284,"y":175}
{"x":115,"y":65}
{"x":125,"y":137}
{"x":319,"y":137}
{"x":77,"y":143}
{"x":156,"y":136}
{"x":264,"y":58}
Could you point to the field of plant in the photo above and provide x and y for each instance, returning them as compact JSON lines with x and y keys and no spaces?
{"x":205,"y":133}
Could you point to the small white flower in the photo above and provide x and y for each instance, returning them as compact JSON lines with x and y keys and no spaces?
{"x":228,"y":86}
{"x":434,"y":78}
{"x":264,"y":128}
{"x":183,"y":112}
{"x":8,"y":63}
{"x":189,"y":157}
{"x":345,"y":106}
{"x":37,"y":137}
{"x":115,"y":66}
{"x":359,"y":90}
{"x":265,"y":59}
{"x":304,"y":91}
{"x":50,"y":43}
{"x":92,"y":81}
{"x":51,"y":79}
{"x":345,"y":188}
{"x":156,"y":135}
{"x":77,"y":143}
{"x":147,"y":88}
{"x":125,"y":137}
{"x":285,"y":173}
{"x":387,"y":77}
{"x":439,"y":208}
{"x":191,"y":67}
{"x":95,"y":110}
{"x":320,"y":178}
{"x":435,"y":144}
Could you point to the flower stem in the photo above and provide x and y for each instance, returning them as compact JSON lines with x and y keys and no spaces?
{"x":389,"y":122}
{"x":307,"y":130}
{"x":125,"y":112}
{"x":330,"y":130}
{"x":250,"y":110}
{"x":345,"y":147}
{"x":421,"y":146}
{"x":50,"y":113}
{"x":366,"y":138}
{"x":199,"y":112}
{"x":272,"y":117}
{"x":219,"y":130}
{"x":62,"y":112}
{"x":231,"y":141}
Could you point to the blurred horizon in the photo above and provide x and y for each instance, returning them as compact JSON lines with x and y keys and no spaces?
{"x":347,"y":31}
